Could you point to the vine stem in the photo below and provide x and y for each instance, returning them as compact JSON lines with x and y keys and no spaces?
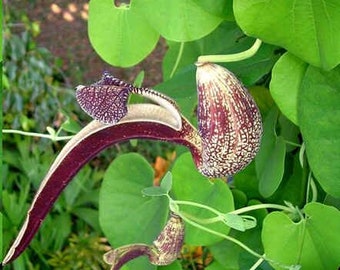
{"x":173,"y":204}
{"x":292,"y":143}
{"x":262,"y":206}
{"x":238,"y":211}
{"x":197,"y":205}
{"x":232,"y":57}
{"x":40,"y":135}
{"x":257,"y":264}
{"x":237,"y":242}
{"x":178,"y":59}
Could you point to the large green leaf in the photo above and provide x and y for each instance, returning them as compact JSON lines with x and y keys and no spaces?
{"x":228,"y":38}
{"x":190,"y":185}
{"x":319,"y":120}
{"x":271,"y":157}
{"x":287,"y":75}
{"x":182,"y":87}
{"x":120,"y":35}
{"x":179,"y":20}
{"x":313,"y":243}
{"x":232,"y":256}
{"x":221,"y":8}
{"x":125,"y":215}
{"x":308,"y":29}
{"x":247,"y":181}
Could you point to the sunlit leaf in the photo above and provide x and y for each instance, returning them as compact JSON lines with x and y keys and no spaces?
{"x":120,"y":35}
{"x":307,"y":29}
{"x":270,"y":159}
{"x":220,"y":8}
{"x":287,"y":76}
{"x":319,"y":120}
{"x":125,"y":215}
{"x":166,"y":182}
{"x":179,"y":20}
{"x":312,"y":242}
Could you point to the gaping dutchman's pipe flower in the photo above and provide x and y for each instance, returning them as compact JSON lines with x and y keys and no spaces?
{"x":227,"y":139}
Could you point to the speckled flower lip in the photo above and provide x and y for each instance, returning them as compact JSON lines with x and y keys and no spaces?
{"x":228,"y":136}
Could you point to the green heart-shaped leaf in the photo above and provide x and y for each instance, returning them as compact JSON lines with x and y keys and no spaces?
{"x":125,"y":215}
{"x":312,"y":242}
{"x":287,"y":76}
{"x":319,"y":120}
{"x":114,"y":33}
{"x":308,"y":29}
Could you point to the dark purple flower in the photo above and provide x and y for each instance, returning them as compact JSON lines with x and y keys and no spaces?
{"x":227,"y":139}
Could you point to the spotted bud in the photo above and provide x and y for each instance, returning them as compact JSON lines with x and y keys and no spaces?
{"x":229,"y":121}
{"x":163,"y":251}
{"x":167,"y":247}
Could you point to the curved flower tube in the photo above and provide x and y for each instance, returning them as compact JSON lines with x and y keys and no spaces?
{"x":227,"y":139}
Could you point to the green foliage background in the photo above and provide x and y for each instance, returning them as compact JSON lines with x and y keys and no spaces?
{"x":295,"y":80}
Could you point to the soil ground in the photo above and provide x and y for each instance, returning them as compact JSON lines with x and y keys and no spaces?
{"x":64,"y":32}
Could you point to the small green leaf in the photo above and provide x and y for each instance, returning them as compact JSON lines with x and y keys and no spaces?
{"x":154,"y":191}
{"x":238,"y":222}
{"x":162,"y":190}
{"x":235,"y":222}
{"x":166,"y":182}
{"x":271,"y":157}
{"x":312,"y":243}
{"x":308,"y":29}
{"x":71,"y":126}
{"x":319,"y":120}
{"x":51,"y":131}
{"x":139,"y":79}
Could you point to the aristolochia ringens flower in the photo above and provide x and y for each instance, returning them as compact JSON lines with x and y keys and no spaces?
{"x":227,"y":139}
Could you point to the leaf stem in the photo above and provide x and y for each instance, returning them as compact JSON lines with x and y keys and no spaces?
{"x":40,"y":135}
{"x":262,"y":206}
{"x":237,"y":242}
{"x":202,"y":220}
{"x":257,"y":263}
{"x":238,"y":211}
{"x":311,"y":187}
{"x":292,"y":143}
{"x":197,"y":205}
{"x":178,"y":59}
{"x":232,"y":57}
